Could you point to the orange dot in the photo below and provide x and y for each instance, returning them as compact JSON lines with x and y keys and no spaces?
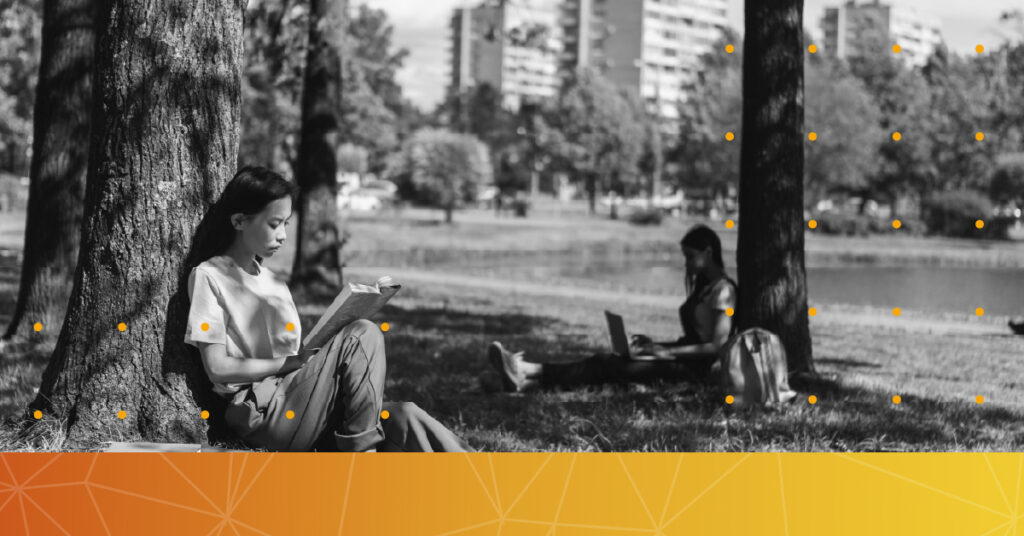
{"x":37,"y":326}
{"x":385,"y":414}
{"x":979,"y":224}
{"x":385,"y":326}
{"x":729,"y":311}
{"x":897,"y":311}
{"x":289,"y":414}
{"x":289,"y":326}
{"x":979,"y":49}
{"x":812,"y":49}
{"x":896,"y":136}
{"x":729,"y":136}
{"x":979,"y":311}
{"x":205,"y":414}
{"x":122,"y":326}
{"x":813,"y":224}
{"x":979,"y":136}
{"x":729,"y":224}
{"x":812,"y":400}
{"x":812,"y":136}
{"x":730,"y":49}
{"x":813,"y":311}
{"x":896,"y":224}
{"x":122,"y":414}
{"x":204,"y":326}
{"x":897,"y":49}
{"x":979,"y":399}
{"x":897,"y":399}
{"x":729,"y":399}
{"x":37,"y":414}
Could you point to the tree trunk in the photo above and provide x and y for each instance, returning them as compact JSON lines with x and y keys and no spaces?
{"x":448,"y":210}
{"x":770,"y":247}
{"x":316,"y":254}
{"x":60,"y":156}
{"x":165,"y":139}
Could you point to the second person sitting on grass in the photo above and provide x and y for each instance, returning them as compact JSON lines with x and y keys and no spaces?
{"x":705,"y":315}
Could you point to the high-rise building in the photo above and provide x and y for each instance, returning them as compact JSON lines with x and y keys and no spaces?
{"x":853,"y":29}
{"x":512,"y":45}
{"x":650,"y":47}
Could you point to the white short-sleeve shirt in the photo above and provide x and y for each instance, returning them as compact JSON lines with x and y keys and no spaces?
{"x":248,"y":314}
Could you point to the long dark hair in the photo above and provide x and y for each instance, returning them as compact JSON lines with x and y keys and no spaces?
{"x":248,"y":192}
{"x":700,"y":238}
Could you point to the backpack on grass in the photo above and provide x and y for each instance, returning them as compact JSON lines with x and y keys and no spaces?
{"x":754,"y":369}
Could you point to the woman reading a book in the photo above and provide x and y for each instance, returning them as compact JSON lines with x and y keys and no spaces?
{"x":706,"y":318}
{"x":246,"y":327}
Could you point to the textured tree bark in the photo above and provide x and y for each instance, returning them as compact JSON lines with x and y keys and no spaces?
{"x":165,"y":139}
{"x":60,"y":155}
{"x":770,"y":248}
{"x":317,"y":260}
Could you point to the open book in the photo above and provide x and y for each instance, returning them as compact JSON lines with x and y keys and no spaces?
{"x":355,"y":301}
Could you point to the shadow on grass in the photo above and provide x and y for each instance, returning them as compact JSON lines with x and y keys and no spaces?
{"x":435,"y":356}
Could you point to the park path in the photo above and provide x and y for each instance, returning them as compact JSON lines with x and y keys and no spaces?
{"x":869,"y":318}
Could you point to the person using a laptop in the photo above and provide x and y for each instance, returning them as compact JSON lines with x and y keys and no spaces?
{"x":705,"y":315}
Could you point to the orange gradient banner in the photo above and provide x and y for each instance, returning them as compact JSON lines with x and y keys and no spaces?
{"x":509,"y":494}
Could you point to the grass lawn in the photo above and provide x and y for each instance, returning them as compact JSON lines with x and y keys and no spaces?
{"x":440,"y":329}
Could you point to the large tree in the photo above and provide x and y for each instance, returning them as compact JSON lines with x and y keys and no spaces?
{"x":770,"y":247}
{"x":59,"y":160}
{"x":317,"y":258}
{"x":164,"y":142}
{"x":597,"y":131}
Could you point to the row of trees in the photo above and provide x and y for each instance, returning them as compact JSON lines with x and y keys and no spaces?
{"x":854,"y":107}
{"x":607,"y":141}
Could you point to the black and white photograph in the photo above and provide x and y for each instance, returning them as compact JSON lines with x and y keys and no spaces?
{"x":511,"y":225}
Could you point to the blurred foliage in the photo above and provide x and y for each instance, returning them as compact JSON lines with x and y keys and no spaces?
{"x":20,"y":31}
{"x":598,"y":132}
{"x":442,"y":169}
{"x":374,"y":114}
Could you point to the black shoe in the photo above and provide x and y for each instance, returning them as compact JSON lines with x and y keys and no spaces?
{"x":505,"y":363}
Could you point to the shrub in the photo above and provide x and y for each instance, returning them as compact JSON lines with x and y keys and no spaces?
{"x":646,"y":216}
{"x":839,"y":223}
{"x":954,"y":213}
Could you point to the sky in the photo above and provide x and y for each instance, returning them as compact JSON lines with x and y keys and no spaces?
{"x":421,"y":26}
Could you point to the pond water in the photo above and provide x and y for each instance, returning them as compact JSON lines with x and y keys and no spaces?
{"x":931,"y":289}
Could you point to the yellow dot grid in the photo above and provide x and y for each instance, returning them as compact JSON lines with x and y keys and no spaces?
{"x":813,"y":400}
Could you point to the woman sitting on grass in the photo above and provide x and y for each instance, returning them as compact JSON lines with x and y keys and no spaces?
{"x":246,"y":327}
{"x":706,"y":318}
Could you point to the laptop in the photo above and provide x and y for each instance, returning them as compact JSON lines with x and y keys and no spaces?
{"x":617,"y":330}
{"x":620,"y":342}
